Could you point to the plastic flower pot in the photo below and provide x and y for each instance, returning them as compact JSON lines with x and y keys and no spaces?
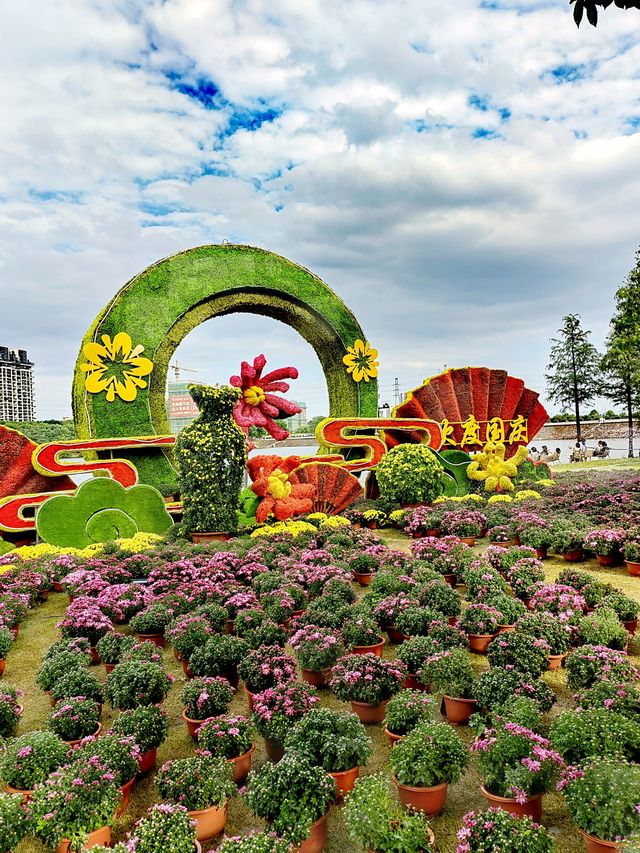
{"x":411,"y":683}
{"x":345,"y":780}
{"x":451,"y":580}
{"x":191,"y":724}
{"x":316,"y":839}
{"x":542,"y":553}
{"x":25,"y":793}
{"x":597,"y":845}
{"x":98,"y":838}
{"x":631,"y":625}
{"x":3,"y":663}
{"x":95,"y":657}
{"x":394,"y":635}
{"x":219,"y":536}
{"x":392,"y":738}
{"x":315,"y":677}
{"x":126,"y":796}
{"x":531,"y":808}
{"x":555,"y":661}
{"x":375,"y":649}
{"x":241,"y":765}
{"x":250,"y":697}
{"x":363,"y":578}
{"x":429,"y":800}
{"x":458,"y":711}
{"x":274,"y":749}
{"x":573,"y":556}
{"x":433,"y":532}
{"x":185,"y":668}
{"x":468,"y":540}
{"x":209,"y":822}
{"x":506,"y":629}
{"x":147,"y":759}
{"x":156,"y":639}
{"x":633,"y":569}
{"x":57,"y":586}
{"x":606,"y":559}
{"x":77,"y":740}
{"x":479,"y":643}
{"x":109,"y":667}
{"x":369,"y":714}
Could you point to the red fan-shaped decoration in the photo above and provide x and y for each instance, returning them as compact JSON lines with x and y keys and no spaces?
{"x":335,"y":487}
{"x":479,"y":391}
{"x":17,"y":474}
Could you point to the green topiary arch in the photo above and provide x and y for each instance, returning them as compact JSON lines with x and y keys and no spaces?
{"x":162,"y":304}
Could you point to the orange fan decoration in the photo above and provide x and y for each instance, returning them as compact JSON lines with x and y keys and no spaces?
{"x":17,"y":474}
{"x":334,"y":487}
{"x":281,"y":495}
{"x":477,"y":403}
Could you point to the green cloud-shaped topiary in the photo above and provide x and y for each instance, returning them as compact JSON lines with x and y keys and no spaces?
{"x":101,"y":510}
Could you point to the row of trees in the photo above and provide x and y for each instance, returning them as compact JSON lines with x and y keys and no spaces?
{"x":577,"y":373}
{"x":43,"y":432}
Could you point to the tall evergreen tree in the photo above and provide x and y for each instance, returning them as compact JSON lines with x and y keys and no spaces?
{"x":573,"y":373}
{"x":621,"y":361}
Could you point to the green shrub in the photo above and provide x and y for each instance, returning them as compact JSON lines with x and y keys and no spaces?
{"x":602,"y":628}
{"x":602,"y":799}
{"x":334,"y":740}
{"x":578,"y":735}
{"x":407,"y":709}
{"x":410,"y":473}
{"x":431,"y":754}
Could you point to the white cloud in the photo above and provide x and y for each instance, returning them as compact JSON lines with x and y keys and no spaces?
{"x":449,"y":248}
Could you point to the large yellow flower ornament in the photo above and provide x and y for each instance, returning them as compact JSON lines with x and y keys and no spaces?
{"x":361,"y":361}
{"x":115,"y":366}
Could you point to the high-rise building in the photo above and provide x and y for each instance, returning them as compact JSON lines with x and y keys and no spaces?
{"x":298,"y":421}
{"x":181,"y":409}
{"x":16,"y":385}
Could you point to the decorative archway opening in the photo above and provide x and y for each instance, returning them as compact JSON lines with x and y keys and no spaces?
{"x":165,"y":302}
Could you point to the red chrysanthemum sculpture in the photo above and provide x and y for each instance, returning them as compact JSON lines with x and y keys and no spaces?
{"x":270,"y":475}
{"x":259,"y":405}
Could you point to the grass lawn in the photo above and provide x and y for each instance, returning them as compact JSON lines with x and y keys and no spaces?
{"x":39,"y":631}
{"x":596,"y":465}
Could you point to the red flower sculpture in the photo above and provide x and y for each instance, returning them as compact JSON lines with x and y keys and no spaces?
{"x":259,"y":406}
{"x":270,"y":475}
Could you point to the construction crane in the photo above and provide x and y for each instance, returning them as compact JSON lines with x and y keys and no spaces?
{"x":178,"y":368}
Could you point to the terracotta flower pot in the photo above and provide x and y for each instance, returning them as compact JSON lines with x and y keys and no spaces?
{"x":542,"y":553}
{"x":216,"y":536}
{"x":573,"y":556}
{"x":345,"y":780}
{"x":185,"y":668}
{"x":3,"y":663}
{"x":25,"y":793}
{"x":375,"y":649}
{"x":95,"y":657}
{"x":98,"y":838}
{"x":191,"y":724}
{"x":468,"y":540}
{"x":156,"y":639}
{"x":147,"y":759}
{"x":316,"y":839}
{"x":506,"y":629}
{"x":392,"y":738}
{"x":411,"y":683}
{"x":109,"y":667}
{"x":126,"y":796}
{"x":631,"y":625}
{"x":532,"y":808}
{"x":209,"y":822}
{"x":57,"y":586}
{"x":479,"y":643}
{"x":369,"y":714}
{"x":274,"y":749}
{"x":77,"y":740}
{"x":315,"y":677}
{"x":555,"y":661}
{"x":434,"y":532}
{"x":363,"y":578}
{"x":429,"y":800}
{"x":458,"y":711}
{"x":606,"y":559}
{"x":394,"y":635}
{"x":250,"y":697}
{"x":451,"y":580}
{"x":232,"y":677}
{"x":633,"y":568}
{"x":597,"y":845}
{"x":241,"y":765}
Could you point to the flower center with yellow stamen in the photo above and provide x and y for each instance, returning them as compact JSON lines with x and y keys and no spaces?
{"x":254,"y":395}
{"x":279,"y":486}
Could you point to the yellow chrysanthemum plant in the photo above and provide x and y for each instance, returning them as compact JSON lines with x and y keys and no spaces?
{"x":490,"y":467}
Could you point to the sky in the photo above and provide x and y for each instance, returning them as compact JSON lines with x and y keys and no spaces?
{"x":463,"y":174}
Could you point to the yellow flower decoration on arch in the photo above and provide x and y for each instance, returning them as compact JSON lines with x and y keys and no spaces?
{"x":115,"y":366}
{"x":361,"y":361}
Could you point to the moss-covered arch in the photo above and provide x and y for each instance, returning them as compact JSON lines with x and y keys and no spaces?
{"x":169,"y":299}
